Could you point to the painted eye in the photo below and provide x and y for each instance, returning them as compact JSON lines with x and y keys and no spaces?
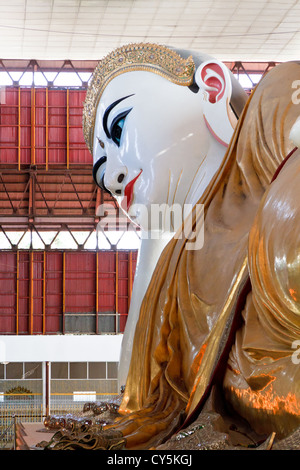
{"x":99,"y":172}
{"x":117,"y":127}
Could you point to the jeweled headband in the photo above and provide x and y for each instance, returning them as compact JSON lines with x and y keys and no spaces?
{"x":143,"y":56}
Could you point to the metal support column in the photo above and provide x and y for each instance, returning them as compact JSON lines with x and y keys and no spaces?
{"x":19,"y":128}
{"x":31,"y":292}
{"x":97,"y":289}
{"x":44,"y":292}
{"x":68,"y":129}
{"x":33,"y":126}
{"x":64,"y":291}
{"x":17,"y":292}
{"x":47,"y":128}
{"x":129,"y":278}
{"x":46,"y":374}
{"x":117,"y":290}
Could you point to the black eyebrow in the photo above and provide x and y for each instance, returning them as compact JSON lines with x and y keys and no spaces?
{"x":108,"y":110}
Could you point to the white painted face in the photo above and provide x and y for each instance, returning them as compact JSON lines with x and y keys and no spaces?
{"x":153,"y":142}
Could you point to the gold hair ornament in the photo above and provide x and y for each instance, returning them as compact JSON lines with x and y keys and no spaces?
{"x":143,"y":56}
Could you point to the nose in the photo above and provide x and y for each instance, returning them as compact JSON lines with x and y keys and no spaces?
{"x":113,"y":180}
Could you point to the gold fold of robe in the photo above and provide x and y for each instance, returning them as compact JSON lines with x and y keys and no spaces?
{"x":263,"y":377}
{"x":192,"y":297}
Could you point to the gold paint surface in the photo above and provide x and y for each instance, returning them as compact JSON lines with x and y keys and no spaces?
{"x":192,"y":296}
{"x":267,"y":388}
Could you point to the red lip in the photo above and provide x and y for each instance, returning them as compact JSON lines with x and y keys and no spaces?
{"x":128,"y":193}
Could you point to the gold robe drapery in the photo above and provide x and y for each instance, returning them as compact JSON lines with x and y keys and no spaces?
{"x":262,"y":381}
{"x":189,"y":319}
{"x":189,"y":309}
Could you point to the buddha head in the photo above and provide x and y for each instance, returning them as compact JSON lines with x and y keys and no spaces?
{"x":158,"y":122}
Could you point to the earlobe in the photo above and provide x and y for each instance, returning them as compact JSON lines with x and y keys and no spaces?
{"x":213,"y":78}
{"x":214,"y":82}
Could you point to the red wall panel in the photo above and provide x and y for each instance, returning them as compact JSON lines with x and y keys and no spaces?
{"x":38,"y":289}
{"x":123,"y":287}
{"x":106,"y":281}
{"x":53,"y":291}
{"x":23,"y":293}
{"x":77,"y":147}
{"x":42,"y":126}
{"x":80,"y":282}
{"x":8,"y":272}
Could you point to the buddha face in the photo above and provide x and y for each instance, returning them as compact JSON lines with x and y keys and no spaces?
{"x":151,"y":145}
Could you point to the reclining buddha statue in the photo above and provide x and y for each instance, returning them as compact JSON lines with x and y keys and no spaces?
{"x":214,"y":323}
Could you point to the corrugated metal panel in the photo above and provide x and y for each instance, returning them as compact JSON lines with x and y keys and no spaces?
{"x":53,"y":291}
{"x":78,"y":151}
{"x":22,"y":302}
{"x":48,"y":292}
{"x":46,"y":174}
{"x":45,"y":166}
{"x":123,"y":287}
{"x":41,"y":126}
{"x":106,"y":283}
{"x":8,"y":274}
{"x":80,"y":281}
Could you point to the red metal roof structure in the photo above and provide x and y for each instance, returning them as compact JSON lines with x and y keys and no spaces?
{"x":46,"y":186}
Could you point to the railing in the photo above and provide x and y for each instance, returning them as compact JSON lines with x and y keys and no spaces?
{"x":8,"y":435}
{"x":16,"y":408}
{"x":27,"y":408}
{"x":4,"y":436}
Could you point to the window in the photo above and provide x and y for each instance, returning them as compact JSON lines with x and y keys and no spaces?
{"x":112,"y":370}
{"x":97,"y":370}
{"x":78,"y":370}
{"x":14,"y":370}
{"x":59,"y":370}
{"x":33,"y":370}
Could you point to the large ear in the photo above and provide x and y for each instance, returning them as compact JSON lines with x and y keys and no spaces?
{"x":213,"y":78}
